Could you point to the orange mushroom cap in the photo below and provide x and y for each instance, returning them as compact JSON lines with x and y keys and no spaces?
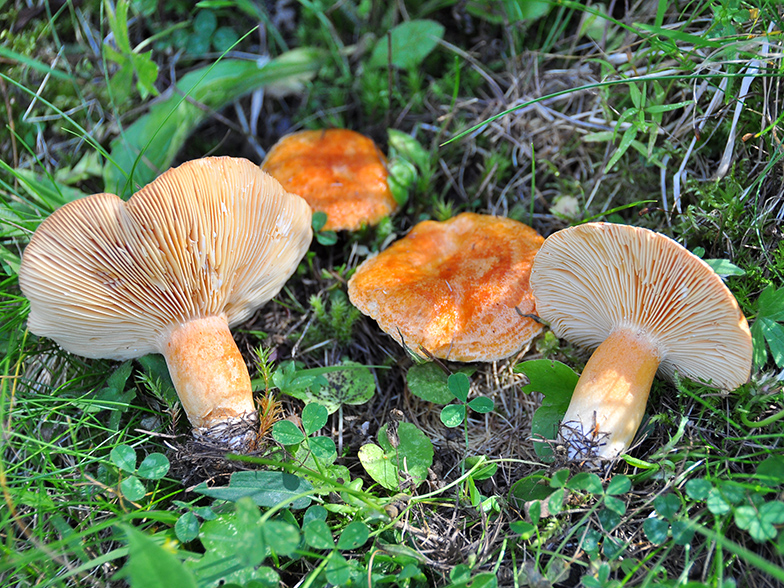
{"x":454,"y":288}
{"x":339,"y":172}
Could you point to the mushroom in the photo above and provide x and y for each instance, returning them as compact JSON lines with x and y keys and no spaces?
{"x":339,"y":172}
{"x":189,"y":255}
{"x":646,"y":304}
{"x":456,"y":289}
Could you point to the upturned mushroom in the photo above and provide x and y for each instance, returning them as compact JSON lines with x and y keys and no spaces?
{"x":456,"y":289}
{"x":647,"y":305}
{"x":169,"y":271}
{"x":339,"y":172}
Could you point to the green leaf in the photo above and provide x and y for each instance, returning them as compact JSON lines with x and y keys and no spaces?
{"x":759,"y":522}
{"x":771,"y":304}
{"x":609,"y":519}
{"x":724,"y":268}
{"x":716,"y":502}
{"x":619,"y":484}
{"x":406,"y":146}
{"x":459,"y":385}
{"x":286,"y":433}
{"x":338,"y":570}
{"x":556,"y":382}
{"x":282,"y":538}
{"x":667,"y":505}
{"x":124,"y":457}
{"x":353,"y":385}
{"x":626,"y":140}
{"x":453,"y":415}
{"x":318,"y":535}
{"x":481,"y":404}
{"x":187,"y":527}
{"x":428,"y":382}
{"x":385,"y":464}
{"x":318,"y":220}
{"x":530,"y":488}
{"x":153,"y":467}
{"x":410,"y":41}
{"x":222,"y":560}
{"x":656,"y":530}
{"x":323,"y":449}
{"x":354,"y":536}
{"x":148,"y":146}
{"x":483,"y":473}
{"x":525,"y":530}
{"x":682,"y":532}
{"x":132,"y":488}
{"x":771,"y":470}
{"x":152,"y":566}
{"x":615,"y":504}
{"x":698,"y":488}
{"x":266,"y":489}
{"x":587,"y":482}
{"x":314,"y":417}
{"x":774,"y":335}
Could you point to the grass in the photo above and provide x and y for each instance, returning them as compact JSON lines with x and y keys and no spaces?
{"x":662,"y":116}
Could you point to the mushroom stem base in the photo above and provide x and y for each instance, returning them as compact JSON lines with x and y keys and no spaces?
{"x":212,"y":382}
{"x":610,"y":397}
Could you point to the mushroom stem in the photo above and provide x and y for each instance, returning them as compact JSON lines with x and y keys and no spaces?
{"x":609,"y":400}
{"x":212,"y":382}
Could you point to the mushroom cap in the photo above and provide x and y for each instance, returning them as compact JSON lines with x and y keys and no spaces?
{"x":214,"y":236}
{"x":592,"y":279}
{"x":452,"y":287}
{"x":339,"y":172}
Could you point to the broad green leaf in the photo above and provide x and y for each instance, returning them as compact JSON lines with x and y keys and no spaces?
{"x":483,"y":473}
{"x":187,"y":527}
{"x":716,"y":502}
{"x":619,"y":484}
{"x":387,"y":464}
{"x":132,"y":488}
{"x":760,"y":521}
{"x":556,"y":382}
{"x":318,"y":535}
{"x":533,"y":487}
{"x":282,"y":538}
{"x":698,"y":488}
{"x":150,"y":565}
{"x":46,"y":192}
{"x":771,"y":470}
{"x":286,"y":433}
{"x":323,"y":449}
{"x":656,"y":530}
{"x":428,"y":382}
{"x":771,"y":303}
{"x":338,"y":570}
{"x":682,"y":532}
{"x":406,"y":146}
{"x":723,"y":267}
{"x":615,"y":504}
{"x":459,"y":385}
{"x":265,"y":488}
{"x":525,"y":530}
{"x":233,"y":545}
{"x":586,"y":481}
{"x":148,"y":146}
{"x":453,"y":415}
{"x":667,"y":505}
{"x":410,"y":42}
{"x":481,"y":404}
{"x":314,"y":417}
{"x":354,"y":385}
{"x":153,"y":467}
{"x":124,"y":457}
{"x":354,"y":536}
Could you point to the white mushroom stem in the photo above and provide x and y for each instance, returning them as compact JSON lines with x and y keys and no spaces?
{"x":212,"y":381}
{"x":609,"y":400}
